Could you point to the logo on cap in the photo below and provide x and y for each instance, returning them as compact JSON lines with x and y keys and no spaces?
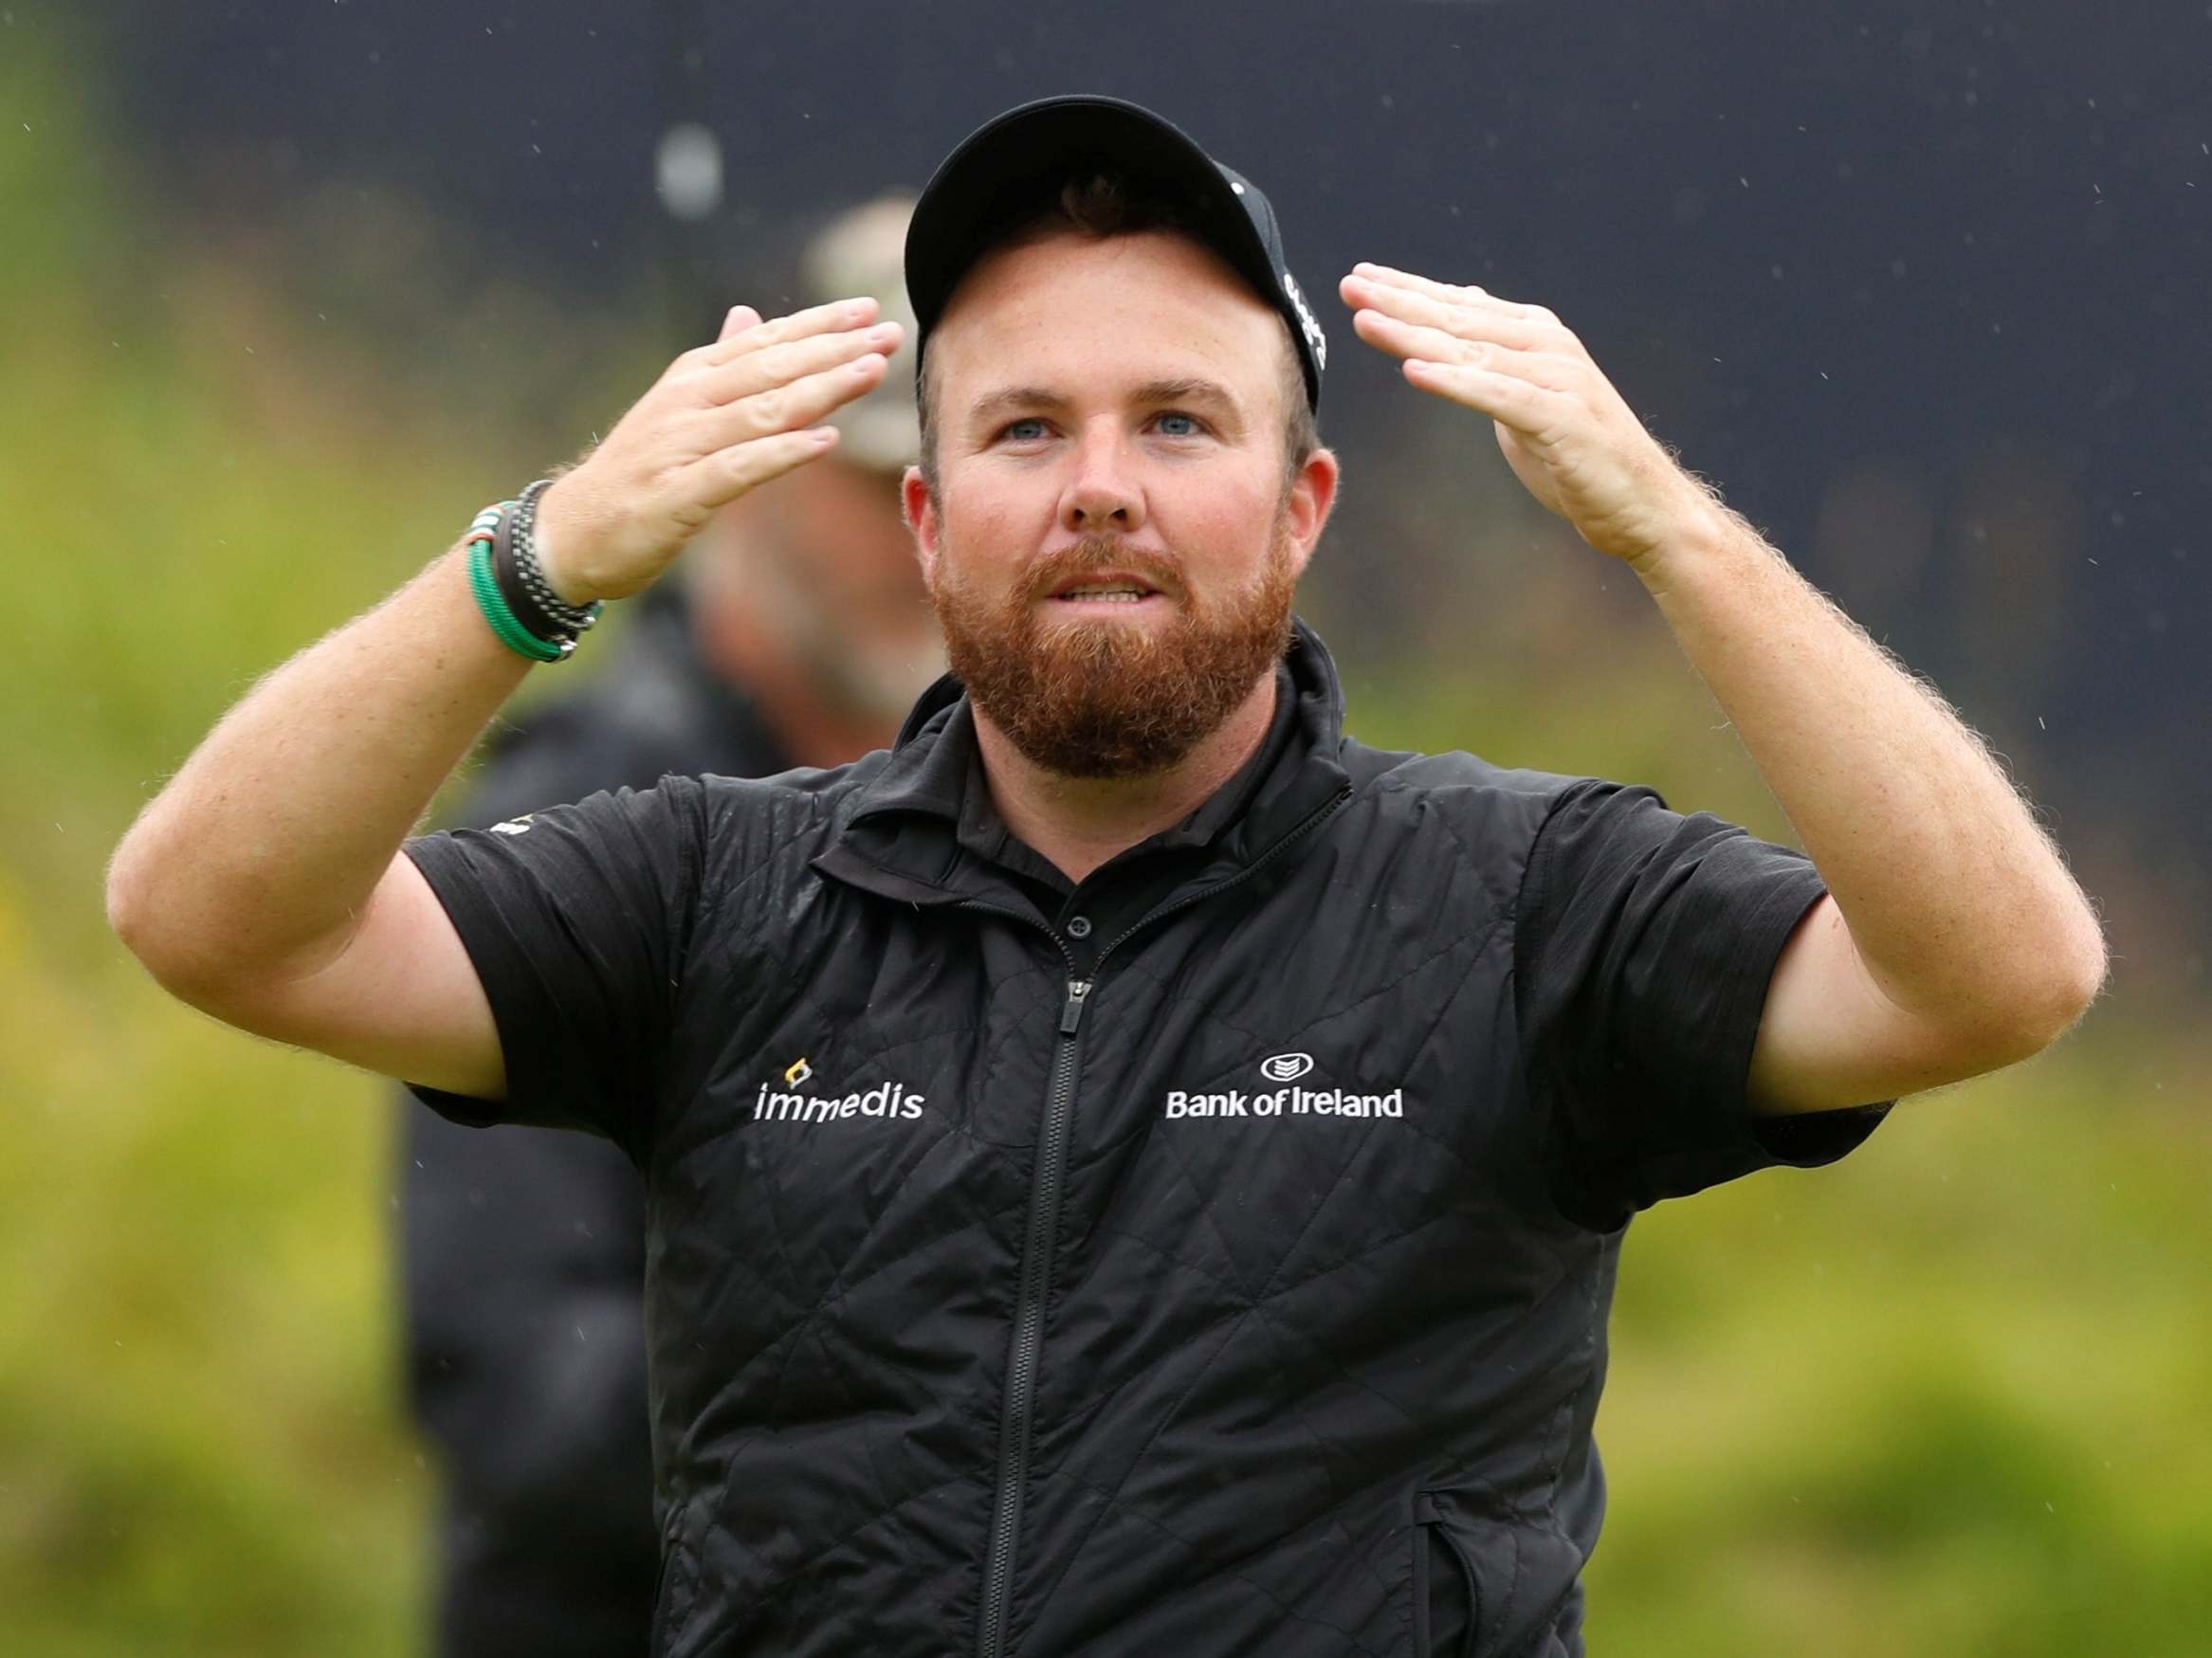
{"x":1314,"y":336}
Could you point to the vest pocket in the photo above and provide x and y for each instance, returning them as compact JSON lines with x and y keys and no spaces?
{"x":1447,"y":1594}
{"x":1488,"y":1578}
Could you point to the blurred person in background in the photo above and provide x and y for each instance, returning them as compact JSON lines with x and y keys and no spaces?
{"x":799,"y":636}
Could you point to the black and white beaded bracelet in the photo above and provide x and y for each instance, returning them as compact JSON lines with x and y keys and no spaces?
{"x":571,"y":619}
{"x":533,"y":617}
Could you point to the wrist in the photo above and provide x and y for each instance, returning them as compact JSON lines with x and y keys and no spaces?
{"x":1702,"y":539}
{"x":511,"y":588}
{"x":558,"y":540}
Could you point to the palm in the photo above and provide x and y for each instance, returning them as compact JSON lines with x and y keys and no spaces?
{"x":1533,"y":472}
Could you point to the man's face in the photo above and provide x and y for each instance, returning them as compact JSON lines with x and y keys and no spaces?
{"x":1112,"y":548}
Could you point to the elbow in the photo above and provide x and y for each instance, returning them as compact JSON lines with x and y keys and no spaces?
{"x":130,"y":907}
{"x":2076,"y":961}
{"x":2079,"y":967}
{"x":135,"y":916}
{"x":2013,"y":1009}
{"x":143,"y":914}
{"x":2058,"y":980}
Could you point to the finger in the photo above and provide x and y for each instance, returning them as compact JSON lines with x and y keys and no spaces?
{"x":1470,"y":321}
{"x":837,"y":314}
{"x":1523,"y":404}
{"x":729,"y":473}
{"x":1391,"y":277}
{"x":1554,"y":371}
{"x":801,"y":402}
{"x":739,"y":318}
{"x":1407,"y":340}
{"x":780,"y":365}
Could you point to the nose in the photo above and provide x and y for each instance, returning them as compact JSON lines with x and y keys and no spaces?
{"x":1103,"y":493}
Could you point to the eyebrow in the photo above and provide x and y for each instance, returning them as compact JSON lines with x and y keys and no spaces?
{"x":1184,"y":388}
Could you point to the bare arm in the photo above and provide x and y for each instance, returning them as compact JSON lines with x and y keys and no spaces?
{"x":277,"y":846}
{"x":265,"y":884}
{"x":1954,"y":940}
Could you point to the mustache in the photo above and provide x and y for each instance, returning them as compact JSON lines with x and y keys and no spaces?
{"x":1094,"y":554}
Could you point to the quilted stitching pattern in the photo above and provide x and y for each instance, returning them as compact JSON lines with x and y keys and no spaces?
{"x":827,"y":1247}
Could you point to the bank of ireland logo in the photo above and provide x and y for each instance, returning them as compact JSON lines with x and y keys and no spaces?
{"x":1288,"y":1098}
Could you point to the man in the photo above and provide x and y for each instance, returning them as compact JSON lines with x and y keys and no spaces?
{"x":1130,"y":1170}
{"x":799,"y":635}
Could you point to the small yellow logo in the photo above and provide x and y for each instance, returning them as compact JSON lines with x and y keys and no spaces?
{"x":798,"y":1072}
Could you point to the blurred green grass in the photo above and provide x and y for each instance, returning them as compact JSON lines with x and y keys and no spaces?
{"x":1943,"y":1399}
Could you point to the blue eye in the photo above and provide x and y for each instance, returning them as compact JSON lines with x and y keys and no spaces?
{"x":1189,"y":428}
{"x":1017,"y":430}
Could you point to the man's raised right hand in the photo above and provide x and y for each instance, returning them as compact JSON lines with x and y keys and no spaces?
{"x":723,"y":419}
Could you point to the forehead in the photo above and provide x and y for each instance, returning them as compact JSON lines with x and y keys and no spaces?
{"x":1075,"y":307}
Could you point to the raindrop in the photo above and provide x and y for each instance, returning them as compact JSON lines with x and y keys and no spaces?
{"x":687,"y":168}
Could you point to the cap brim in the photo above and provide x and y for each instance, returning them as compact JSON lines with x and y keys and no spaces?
{"x":1009,"y":160}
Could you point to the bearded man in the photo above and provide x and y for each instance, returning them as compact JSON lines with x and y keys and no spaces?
{"x":1130,"y":1169}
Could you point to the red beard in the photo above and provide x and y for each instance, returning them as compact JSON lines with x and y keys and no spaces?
{"x":1101,"y":699}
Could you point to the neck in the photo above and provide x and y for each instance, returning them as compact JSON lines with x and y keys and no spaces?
{"x":1079,"y":823}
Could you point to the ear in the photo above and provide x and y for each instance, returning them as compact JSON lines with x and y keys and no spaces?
{"x":1313,"y":494}
{"x":919,"y":508}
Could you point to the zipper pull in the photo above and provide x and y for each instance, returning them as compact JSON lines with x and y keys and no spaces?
{"x":1071,"y":1010}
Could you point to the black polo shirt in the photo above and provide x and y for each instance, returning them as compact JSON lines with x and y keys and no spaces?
{"x":1240,"y":1284}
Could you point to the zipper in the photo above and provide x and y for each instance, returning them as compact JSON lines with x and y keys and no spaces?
{"x":1029,"y":1326}
{"x":1026,"y":1344}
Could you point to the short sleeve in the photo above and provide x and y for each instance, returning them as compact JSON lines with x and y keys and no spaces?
{"x":1644,"y":945}
{"x":577,"y":920}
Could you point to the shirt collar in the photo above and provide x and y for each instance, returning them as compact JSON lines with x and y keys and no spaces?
{"x":929,"y":805}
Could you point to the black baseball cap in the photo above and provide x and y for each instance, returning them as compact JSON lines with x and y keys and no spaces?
{"x":1007,"y":167}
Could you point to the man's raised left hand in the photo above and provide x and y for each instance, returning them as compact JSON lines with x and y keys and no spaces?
{"x":1565,"y":432}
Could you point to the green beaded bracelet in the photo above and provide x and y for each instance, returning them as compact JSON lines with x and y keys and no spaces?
{"x":510,"y":632}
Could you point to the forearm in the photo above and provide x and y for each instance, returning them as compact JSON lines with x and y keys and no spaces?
{"x":1958,"y":903}
{"x":262,"y":851}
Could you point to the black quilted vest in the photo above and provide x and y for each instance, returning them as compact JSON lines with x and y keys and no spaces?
{"x":1206,"y":1301}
